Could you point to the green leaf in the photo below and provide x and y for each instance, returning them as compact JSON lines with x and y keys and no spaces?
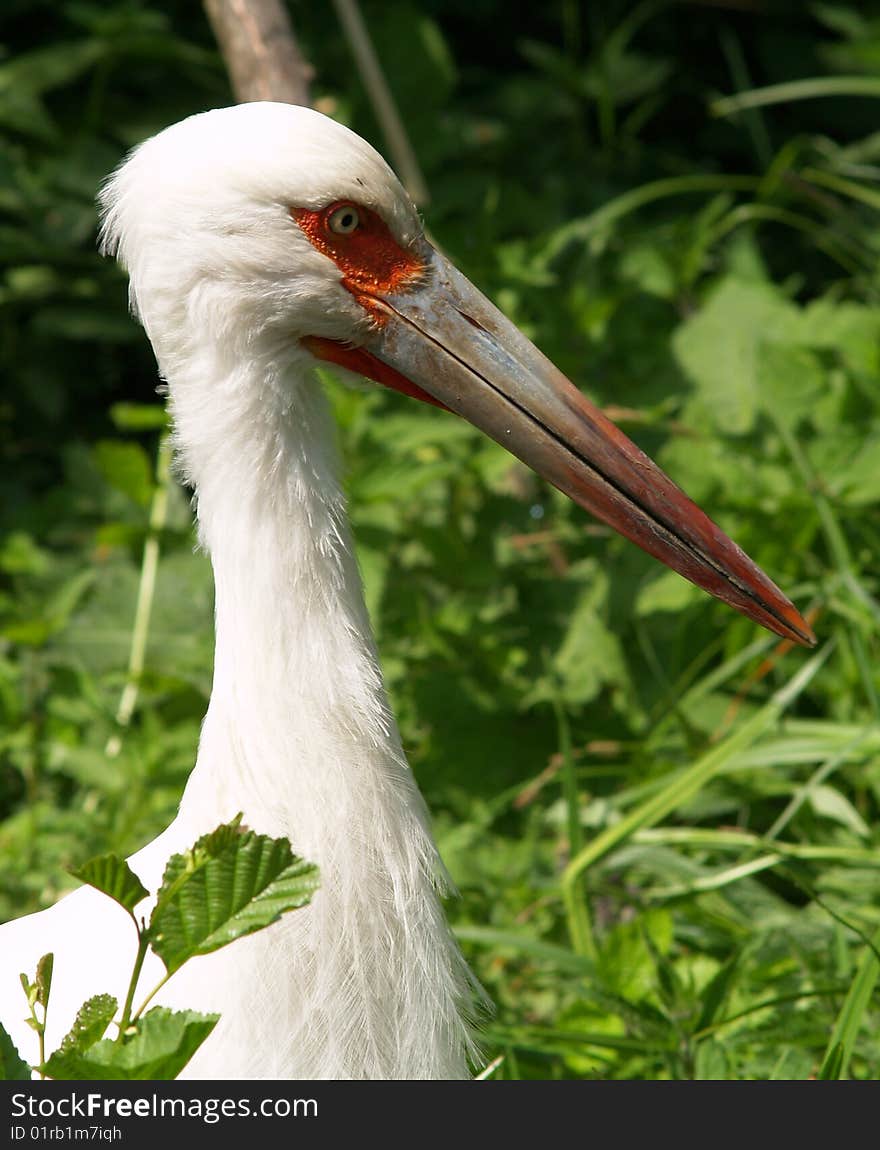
{"x":24,"y":112}
{"x":717,"y":992}
{"x":127,"y":467}
{"x":90,"y":1024}
{"x":99,"y":635}
{"x":722,"y":348}
{"x":626,"y":963}
{"x":13,"y":1068}
{"x":712,"y":1062}
{"x":829,"y":803}
{"x":21,"y":555}
{"x":44,"y":979}
{"x":850,"y":329}
{"x":114,"y":877}
{"x":157,"y":1046}
{"x":29,"y":988}
{"x":231,"y":883}
{"x":790,"y":381}
{"x":843,"y":19}
{"x":139,"y":416}
{"x":625,"y":76}
{"x":50,"y":67}
{"x":666,"y":591}
{"x":584,"y":1022}
{"x":856,"y":476}
{"x":832,"y":1067}
{"x":590,"y":657}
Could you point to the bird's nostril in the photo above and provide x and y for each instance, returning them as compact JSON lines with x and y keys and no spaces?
{"x":470,"y":319}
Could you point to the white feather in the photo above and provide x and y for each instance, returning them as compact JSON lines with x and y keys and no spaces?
{"x":367,"y":982}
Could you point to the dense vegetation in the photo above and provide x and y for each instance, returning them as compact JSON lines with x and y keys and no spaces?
{"x":663,"y":823}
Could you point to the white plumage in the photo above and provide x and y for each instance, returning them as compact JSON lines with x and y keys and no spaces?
{"x":367,"y":982}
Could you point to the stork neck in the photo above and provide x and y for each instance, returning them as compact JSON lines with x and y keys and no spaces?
{"x":299,"y":737}
{"x":298,"y":720}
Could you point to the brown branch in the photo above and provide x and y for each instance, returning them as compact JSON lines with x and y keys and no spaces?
{"x":403,"y":158}
{"x":260,"y":50}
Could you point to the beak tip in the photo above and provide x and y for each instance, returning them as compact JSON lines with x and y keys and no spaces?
{"x":799,"y":630}
{"x":809,"y":638}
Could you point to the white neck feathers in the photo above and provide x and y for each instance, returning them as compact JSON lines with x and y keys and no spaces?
{"x":367,"y":981}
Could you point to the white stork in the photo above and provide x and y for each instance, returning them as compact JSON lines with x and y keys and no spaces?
{"x":260,"y":240}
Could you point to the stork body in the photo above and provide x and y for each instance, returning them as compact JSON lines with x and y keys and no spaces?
{"x":258,"y":238}
{"x":367,"y":982}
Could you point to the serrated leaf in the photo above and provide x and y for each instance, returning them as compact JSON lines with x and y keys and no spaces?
{"x":13,"y":1068}
{"x":157,"y":1046}
{"x":722,"y":348}
{"x":114,"y":877}
{"x":790,"y":380}
{"x":44,"y":978}
{"x":90,"y":1024}
{"x":231,"y":883}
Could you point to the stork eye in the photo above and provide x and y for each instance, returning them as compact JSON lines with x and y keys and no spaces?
{"x":344,"y":220}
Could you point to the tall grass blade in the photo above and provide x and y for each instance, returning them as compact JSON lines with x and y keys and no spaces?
{"x":686,"y":784}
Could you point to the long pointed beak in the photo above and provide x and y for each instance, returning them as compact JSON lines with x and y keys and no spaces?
{"x":446,"y":338}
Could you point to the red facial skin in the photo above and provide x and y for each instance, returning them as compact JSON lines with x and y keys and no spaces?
{"x":372,"y":263}
{"x":371,"y":260}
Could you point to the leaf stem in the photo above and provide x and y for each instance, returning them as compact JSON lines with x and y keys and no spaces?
{"x":146,"y":594}
{"x":143,"y":947}
{"x":579,"y":925}
{"x":809,"y":89}
{"x":851,"y":1016}
{"x":143,"y":1006}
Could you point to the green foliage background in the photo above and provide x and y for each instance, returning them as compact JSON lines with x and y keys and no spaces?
{"x":667,"y":868}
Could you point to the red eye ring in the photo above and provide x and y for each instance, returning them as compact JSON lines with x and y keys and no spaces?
{"x":371,"y":260}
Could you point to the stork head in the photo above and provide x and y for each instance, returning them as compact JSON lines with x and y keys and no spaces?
{"x":268,"y":229}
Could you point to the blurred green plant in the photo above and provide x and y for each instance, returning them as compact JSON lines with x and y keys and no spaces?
{"x":712,"y":280}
